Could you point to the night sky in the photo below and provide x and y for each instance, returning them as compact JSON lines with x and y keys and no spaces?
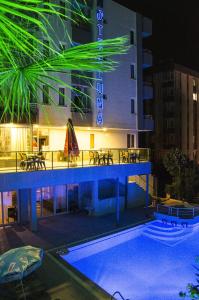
{"x":175,"y":29}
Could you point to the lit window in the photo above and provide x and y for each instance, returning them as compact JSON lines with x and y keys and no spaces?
{"x":195,"y":97}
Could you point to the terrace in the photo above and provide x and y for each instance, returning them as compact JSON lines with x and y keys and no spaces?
{"x":27,"y":161}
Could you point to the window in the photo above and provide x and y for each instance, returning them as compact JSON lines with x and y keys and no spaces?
{"x":132,"y":37}
{"x":80,"y":101}
{"x":132,"y":71}
{"x":46,"y":50}
{"x":132,"y":106}
{"x":61,"y":96}
{"x":100,"y":3}
{"x":45,"y":94}
{"x":195,"y":96}
{"x":62,"y":46}
{"x":62,"y":9}
{"x":130,"y":141}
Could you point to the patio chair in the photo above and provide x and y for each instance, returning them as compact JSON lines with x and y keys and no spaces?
{"x":133,"y":157}
{"x":109,"y":157}
{"x":91,"y":157}
{"x":40,"y":161}
{"x":125,"y":156}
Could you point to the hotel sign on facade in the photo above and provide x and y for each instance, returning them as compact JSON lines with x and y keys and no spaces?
{"x":99,"y":75}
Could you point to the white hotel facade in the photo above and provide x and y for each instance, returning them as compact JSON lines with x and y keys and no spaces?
{"x":114,"y":118}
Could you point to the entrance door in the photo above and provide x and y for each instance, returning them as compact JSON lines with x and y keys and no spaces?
{"x":8,"y":208}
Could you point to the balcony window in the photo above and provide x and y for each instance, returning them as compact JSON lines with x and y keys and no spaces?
{"x":80,"y":100}
{"x":46,"y":50}
{"x":130,"y":141}
{"x":45,"y":94}
{"x":62,"y":96}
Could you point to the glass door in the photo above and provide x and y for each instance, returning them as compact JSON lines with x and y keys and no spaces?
{"x":8,"y":207}
{"x":45,"y":202}
{"x":72,"y":198}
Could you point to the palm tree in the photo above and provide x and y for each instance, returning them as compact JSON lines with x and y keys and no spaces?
{"x":25,"y":68}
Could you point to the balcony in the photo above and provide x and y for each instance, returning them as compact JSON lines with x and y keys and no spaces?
{"x":148,"y":122}
{"x":147,"y":91}
{"x":147,"y":59}
{"x":146,"y":27}
{"x":21,"y":119}
{"x":29,"y":161}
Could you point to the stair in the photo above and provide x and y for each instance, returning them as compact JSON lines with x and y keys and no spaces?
{"x":166,"y":233}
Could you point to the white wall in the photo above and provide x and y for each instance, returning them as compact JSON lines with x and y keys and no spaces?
{"x":118,"y":86}
{"x":102,"y":139}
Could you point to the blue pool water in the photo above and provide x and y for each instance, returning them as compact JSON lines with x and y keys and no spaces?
{"x":140,"y":266}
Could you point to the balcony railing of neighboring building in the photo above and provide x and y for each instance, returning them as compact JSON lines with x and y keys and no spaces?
{"x":148,"y":90}
{"x":148,"y":122}
{"x":147,"y":58}
{"x":26,"y":161}
{"x":146,"y":27}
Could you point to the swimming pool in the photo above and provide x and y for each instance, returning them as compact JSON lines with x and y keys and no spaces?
{"x":148,"y":262}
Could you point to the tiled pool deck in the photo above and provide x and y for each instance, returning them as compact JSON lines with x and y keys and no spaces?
{"x":51,"y":281}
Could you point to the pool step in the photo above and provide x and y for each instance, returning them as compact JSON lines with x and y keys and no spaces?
{"x":166,"y":233}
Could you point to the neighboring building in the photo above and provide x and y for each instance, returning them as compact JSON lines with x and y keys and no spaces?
{"x":176,"y":110}
{"x":114,"y":118}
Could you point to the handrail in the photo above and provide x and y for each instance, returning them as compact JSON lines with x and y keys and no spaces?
{"x":117,"y":292}
{"x":178,"y":211}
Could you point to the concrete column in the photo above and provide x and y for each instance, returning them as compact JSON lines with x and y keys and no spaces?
{"x":123,"y":184}
{"x":33,"y":210}
{"x":55,"y":195}
{"x":94,"y":192}
{"x":117,"y":196}
{"x":23,"y":200}
{"x":147,"y":191}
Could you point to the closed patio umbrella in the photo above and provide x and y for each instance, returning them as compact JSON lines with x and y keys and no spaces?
{"x":71,"y":148}
{"x":17,"y":263}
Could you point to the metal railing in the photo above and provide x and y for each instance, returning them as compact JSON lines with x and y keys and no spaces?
{"x":18,"y":161}
{"x":117,"y":293}
{"x":185,"y":212}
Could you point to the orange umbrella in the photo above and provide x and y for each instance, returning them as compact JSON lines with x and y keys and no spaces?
{"x":71,"y":146}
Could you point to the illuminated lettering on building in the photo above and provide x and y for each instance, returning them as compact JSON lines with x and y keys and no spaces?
{"x":99,"y":75}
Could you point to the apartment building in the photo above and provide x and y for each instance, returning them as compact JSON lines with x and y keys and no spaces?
{"x":176,"y":110}
{"x":113,"y":117}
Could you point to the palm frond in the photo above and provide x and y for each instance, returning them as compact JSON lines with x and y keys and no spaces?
{"x":17,"y":83}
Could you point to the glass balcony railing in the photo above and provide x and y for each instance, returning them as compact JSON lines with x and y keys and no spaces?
{"x":26,"y":161}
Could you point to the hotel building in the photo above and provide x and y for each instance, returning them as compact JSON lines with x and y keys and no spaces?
{"x":113,"y":117}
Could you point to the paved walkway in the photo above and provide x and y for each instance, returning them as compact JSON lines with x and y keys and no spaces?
{"x":51,"y":281}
